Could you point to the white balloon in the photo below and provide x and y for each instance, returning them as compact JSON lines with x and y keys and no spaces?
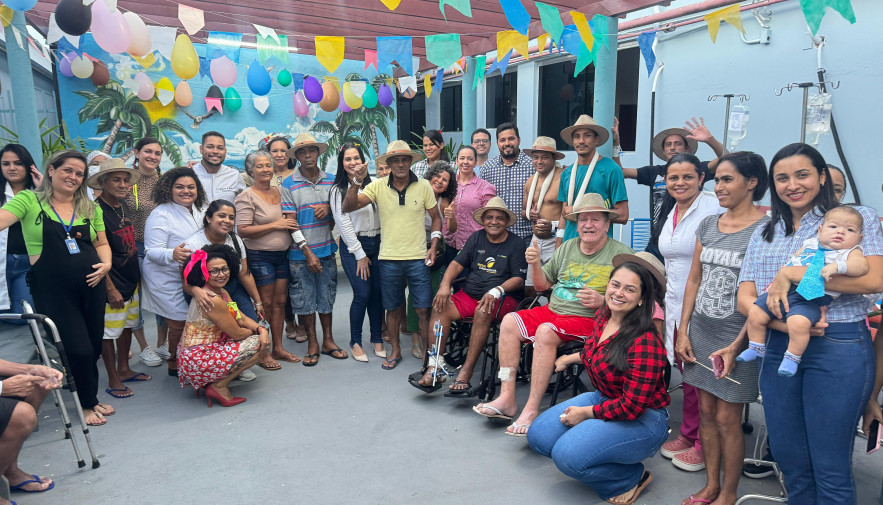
{"x":82,"y":67}
{"x":140,"y":43}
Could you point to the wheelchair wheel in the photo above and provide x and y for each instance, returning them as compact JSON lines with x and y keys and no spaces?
{"x":458,"y":345}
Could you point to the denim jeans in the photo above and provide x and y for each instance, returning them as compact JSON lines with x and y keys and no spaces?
{"x":604,"y":455}
{"x":239,"y":295}
{"x":812,"y":416}
{"x":17,"y":268}
{"x":395,"y":273}
{"x":366,"y":293}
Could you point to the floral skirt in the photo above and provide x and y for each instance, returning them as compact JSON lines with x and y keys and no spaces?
{"x":203,"y":364}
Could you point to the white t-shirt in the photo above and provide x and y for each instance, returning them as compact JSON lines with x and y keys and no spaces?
{"x":198,"y":240}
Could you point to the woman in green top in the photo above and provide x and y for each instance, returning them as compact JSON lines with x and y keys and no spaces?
{"x":70,"y":256}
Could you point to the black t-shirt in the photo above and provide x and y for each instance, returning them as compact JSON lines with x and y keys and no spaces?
{"x":489,"y":264}
{"x":120,"y":232}
{"x":651,"y":175}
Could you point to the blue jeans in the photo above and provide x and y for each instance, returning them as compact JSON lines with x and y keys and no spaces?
{"x":812,"y":416}
{"x":244,"y":302}
{"x":17,"y":268}
{"x":604,"y":455}
{"x":394,"y":274}
{"x":366,"y":294}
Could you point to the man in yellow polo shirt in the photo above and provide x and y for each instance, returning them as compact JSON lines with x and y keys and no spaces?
{"x":403,"y":201}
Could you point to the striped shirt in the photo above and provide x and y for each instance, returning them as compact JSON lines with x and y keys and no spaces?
{"x":509,"y":181}
{"x":299,"y":195}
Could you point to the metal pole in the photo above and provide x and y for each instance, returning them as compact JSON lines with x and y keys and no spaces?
{"x":23,"y":97}
{"x":727,"y":121}
{"x":803,"y":115}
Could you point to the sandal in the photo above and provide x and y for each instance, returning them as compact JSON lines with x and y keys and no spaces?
{"x":645,"y":481}
{"x":273,"y":366}
{"x":338,"y":352}
{"x":392,"y":363}
{"x":692,"y":499}
{"x":311,"y":359}
{"x":94,"y":419}
{"x":120,"y":393}
{"x":36,"y":479}
{"x":291,"y":358}
{"x":414,"y":380}
{"x":495,"y":414}
{"x":104,"y":409}
{"x":460,"y":388}
{"x":511,"y":430}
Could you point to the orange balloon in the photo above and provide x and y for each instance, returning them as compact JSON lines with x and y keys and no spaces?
{"x":331,"y":97}
{"x":183,"y":95}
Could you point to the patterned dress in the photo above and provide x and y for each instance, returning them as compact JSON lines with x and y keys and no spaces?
{"x":206,"y":354}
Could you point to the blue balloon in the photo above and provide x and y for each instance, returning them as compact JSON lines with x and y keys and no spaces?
{"x":259,"y":79}
{"x":20,"y":5}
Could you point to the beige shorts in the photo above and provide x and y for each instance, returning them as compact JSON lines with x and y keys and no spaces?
{"x":547,"y":249}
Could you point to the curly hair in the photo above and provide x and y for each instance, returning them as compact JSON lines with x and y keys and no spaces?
{"x":162,"y":192}
{"x":214,"y":251}
{"x":437,"y":168}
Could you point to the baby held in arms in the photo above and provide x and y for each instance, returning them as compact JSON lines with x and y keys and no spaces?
{"x":836,"y":250}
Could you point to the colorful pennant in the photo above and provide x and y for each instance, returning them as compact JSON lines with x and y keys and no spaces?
{"x":439,"y":80}
{"x":516,"y":14}
{"x":480,"y":64}
{"x":163,"y":38}
{"x":500,"y":64}
{"x":264,"y":31}
{"x":371,"y":59}
{"x":192,"y":19}
{"x":329,"y":51}
{"x":645,"y":43}
{"x":427,"y":85}
{"x":392,"y":5}
{"x":582,"y":26}
{"x":731,"y":15}
{"x":227,"y":43}
{"x":269,"y":48}
{"x":396,"y":49}
{"x":462,"y":6}
{"x":551,"y":20}
{"x":814,"y":11}
{"x":511,"y":40}
{"x":444,"y":49}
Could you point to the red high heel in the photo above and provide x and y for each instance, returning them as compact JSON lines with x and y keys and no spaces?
{"x":212,"y":394}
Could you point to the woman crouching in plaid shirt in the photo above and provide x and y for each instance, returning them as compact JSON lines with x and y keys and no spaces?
{"x":601,"y":438}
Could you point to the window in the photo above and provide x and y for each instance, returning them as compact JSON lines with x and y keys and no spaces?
{"x":452,"y":107}
{"x":501,"y":98}
{"x":411,"y":114}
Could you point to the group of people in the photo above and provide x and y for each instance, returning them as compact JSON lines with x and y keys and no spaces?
{"x":229,"y":261}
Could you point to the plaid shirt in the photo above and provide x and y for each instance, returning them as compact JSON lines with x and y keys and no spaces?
{"x":509,"y":181}
{"x":763,"y":259}
{"x":632,"y":392}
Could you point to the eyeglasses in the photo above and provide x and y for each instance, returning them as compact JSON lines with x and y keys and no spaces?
{"x":215,"y":272}
{"x":481,"y":141}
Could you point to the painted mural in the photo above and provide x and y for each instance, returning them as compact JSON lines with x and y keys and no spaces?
{"x":111,"y":117}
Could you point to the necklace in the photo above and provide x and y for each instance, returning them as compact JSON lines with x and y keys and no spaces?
{"x":121,"y":214}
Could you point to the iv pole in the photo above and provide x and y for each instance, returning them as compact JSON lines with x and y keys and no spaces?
{"x":728,"y":96}
{"x":805,"y":86}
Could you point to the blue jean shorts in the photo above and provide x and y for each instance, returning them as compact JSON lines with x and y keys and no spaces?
{"x":394,"y":274}
{"x":267,"y":267}
{"x":312,"y":292}
{"x":797,"y":305}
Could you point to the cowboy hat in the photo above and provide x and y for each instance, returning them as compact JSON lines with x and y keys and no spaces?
{"x":305,"y":140}
{"x":646,"y":260}
{"x":108,"y":166}
{"x":397,"y":148}
{"x":495,"y":203}
{"x":660,"y":137}
{"x":544,"y":145}
{"x":585,"y":121}
{"x":590,"y":202}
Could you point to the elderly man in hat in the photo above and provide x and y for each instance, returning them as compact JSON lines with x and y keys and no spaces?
{"x":403,"y":201}
{"x":495,"y":260}
{"x":311,"y":260}
{"x":591,"y":173}
{"x":578,"y":271}
{"x":541,"y":205}
{"x":508,"y":172}
{"x":219,"y":181}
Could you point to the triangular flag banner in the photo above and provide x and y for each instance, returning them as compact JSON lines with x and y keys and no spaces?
{"x":214,"y":103}
{"x":444,"y":49}
{"x":163,"y":38}
{"x":582,"y":25}
{"x":297,"y":81}
{"x":407,"y":83}
{"x":329,"y":51}
{"x":371,"y":59}
{"x":261,"y":103}
{"x":731,"y":14}
{"x":511,"y":40}
{"x":228,"y":43}
{"x":391,"y":5}
{"x":571,"y":40}
{"x":541,"y":43}
{"x":427,"y":85}
{"x":516,"y":14}
{"x":266,"y":32}
{"x":269,"y":48}
{"x":586,"y":56}
{"x":165,"y":96}
{"x":439,"y":80}
{"x":205,"y":68}
{"x":645,"y":43}
{"x":814,"y":11}
{"x":551,"y":20}
{"x":480,"y":64}
{"x":192,"y":19}
{"x":500,"y":64}
{"x":599,"y":29}
{"x":463,"y":6}
{"x":18,"y":39}
{"x":358,"y":87}
{"x":6,"y":15}
{"x":146,"y":61}
{"x":397,"y":49}
{"x":53,"y":32}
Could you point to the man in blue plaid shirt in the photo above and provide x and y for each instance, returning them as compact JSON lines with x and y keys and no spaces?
{"x":508,"y":172}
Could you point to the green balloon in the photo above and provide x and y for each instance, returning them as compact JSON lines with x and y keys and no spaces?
{"x":369,"y":97}
{"x":284,"y":78}
{"x":232,"y":100}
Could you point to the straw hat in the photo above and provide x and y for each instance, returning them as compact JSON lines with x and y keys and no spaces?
{"x":590,"y":202}
{"x":305,"y":140}
{"x":646,"y":260}
{"x":585,"y":121}
{"x":495,"y":203}
{"x":397,"y":148}
{"x":111,"y":165}
{"x":660,"y":137}
{"x":544,"y":145}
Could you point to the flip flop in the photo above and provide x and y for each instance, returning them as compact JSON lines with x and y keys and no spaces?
{"x":118,"y":393}
{"x":338,"y":350}
{"x":392,"y":361}
{"x":693,"y":500}
{"x":295,"y":359}
{"x":496,"y":415}
{"x":645,"y":481}
{"x":269,"y":367}
{"x":19,"y":488}
{"x":138,"y":377}
{"x":460,"y":392}
{"x":311,"y":357}
{"x":514,"y":427}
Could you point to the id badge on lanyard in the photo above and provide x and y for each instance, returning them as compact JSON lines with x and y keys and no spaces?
{"x":70,"y":243}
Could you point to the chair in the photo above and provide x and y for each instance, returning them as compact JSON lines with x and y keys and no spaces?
{"x":569,"y":376}
{"x":756,"y":459}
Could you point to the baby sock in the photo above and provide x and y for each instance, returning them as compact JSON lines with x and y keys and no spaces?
{"x":753,"y":352}
{"x":789,"y":365}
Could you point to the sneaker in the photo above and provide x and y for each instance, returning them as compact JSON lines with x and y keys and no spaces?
{"x":162,"y":352}
{"x":691,"y":460}
{"x":246,"y":376}
{"x":149,"y":357}
{"x":753,"y":471}
{"x":676,"y":446}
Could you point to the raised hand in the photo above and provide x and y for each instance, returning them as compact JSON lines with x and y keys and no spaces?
{"x":532,"y":253}
{"x":698,"y":131}
{"x":615,"y":131}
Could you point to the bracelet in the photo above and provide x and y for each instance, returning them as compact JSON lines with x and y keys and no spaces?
{"x":357,"y":182}
{"x":435,"y":234}
{"x":559,"y":233}
{"x":259,"y":304}
{"x":617,"y":151}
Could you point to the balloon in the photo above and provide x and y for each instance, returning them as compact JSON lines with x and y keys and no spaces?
{"x":369,"y":98}
{"x":109,"y":29}
{"x":185,"y":62}
{"x":82,"y":67}
{"x":20,"y":5}
{"x":100,"y":75}
{"x":146,"y":89}
{"x":331,"y":97}
{"x":64,"y":64}
{"x":183,"y":95}
{"x":342,"y":104}
{"x":232,"y":99}
{"x":165,"y":92}
{"x":258,"y":79}
{"x":384,"y":96}
{"x":349,"y":98}
{"x":214,"y":92}
{"x":284,"y":78}
{"x":301,"y":107}
{"x":223,"y":71}
{"x":313,"y":90}
{"x":72,"y":17}
{"x":140,"y":42}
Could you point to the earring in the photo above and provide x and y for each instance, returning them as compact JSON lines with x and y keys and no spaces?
{"x":640,"y":303}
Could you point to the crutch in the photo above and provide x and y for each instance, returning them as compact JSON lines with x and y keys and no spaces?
{"x":437,"y":328}
{"x":59,"y":345}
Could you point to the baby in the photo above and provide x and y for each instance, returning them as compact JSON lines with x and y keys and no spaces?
{"x":838,"y":242}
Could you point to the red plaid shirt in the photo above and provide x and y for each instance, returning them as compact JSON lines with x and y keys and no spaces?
{"x":629,"y":393}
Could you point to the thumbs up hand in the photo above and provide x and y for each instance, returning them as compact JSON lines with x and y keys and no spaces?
{"x":532,"y":253}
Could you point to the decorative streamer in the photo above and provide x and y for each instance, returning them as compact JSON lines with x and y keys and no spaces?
{"x":500,"y":64}
{"x":192,"y":19}
{"x":398,"y":49}
{"x":427,"y":85}
{"x":269,"y":48}
{"x":516,"y":14}
{"x":645,"y":43}
{"x":582,"y":26}
{"x":371,"y":59}
{"x":462,"y":6}
{"x":391,"y":4}
{"x":551,"y":20}
{"x":329,"y":51}
{"x":227,"y":43}
{"x":444,"y":49}
{"x":511,"y":40}
{"x":267,"y":32}
{"x":814,"y":11}
{"x":439,"y":80}
{"x":731,"y":15}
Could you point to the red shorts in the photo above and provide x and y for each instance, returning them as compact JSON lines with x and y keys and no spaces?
{"x":568,"y":328}
{"x":466,"y":305}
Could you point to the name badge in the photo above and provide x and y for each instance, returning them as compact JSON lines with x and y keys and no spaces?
{"x":72,"y":246}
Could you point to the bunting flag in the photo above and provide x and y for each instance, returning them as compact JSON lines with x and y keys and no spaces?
{"x":163,"y":38}
{"x":645,"y":43}
{"x":814,"y":11}
{"x":731,"y":15}
{"x":439,"y":80}
{"x":297,"y":81}
{"x":582,"y":26}
{"x":511,"y":40}
{"x":551,"y":20}
{"x":516,"y":14}
{"x":444,"y":49}
{"x":371,"y":59}
{"x":408,"y":85}
{"x":205,"y":67}
{"x":392,"y":5}
{"x":227,"y":43}
{"x":192,"y":19}
{"x":396,"y":49}
{"x":264,"y":31}
{"x":213,"y":103}
{"x":269,"y":48}
{"x":147,"y":61}
{"x":53,"y":32}
{"x":500,"y":64}
{"x":599,"y":29}
{"x":261,"y":103}
{"x":572,"y":42}
{"x":6,"y":15}
{"x":541,"y":43}
{"x":329,"y":51}
{"x":480,"y":64}
{"x":427,"y":85}
{"x":462,"y":6}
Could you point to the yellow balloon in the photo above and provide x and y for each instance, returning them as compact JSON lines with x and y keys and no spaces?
{"x":165,"y":91}
{"x":331,"y":98}
{"x":352,"y":101}
{"x":185,"y":62}
{"x":183,"y":95}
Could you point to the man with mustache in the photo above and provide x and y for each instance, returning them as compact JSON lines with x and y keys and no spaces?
{"x":219,"y":181}
{"x":508,"y":172}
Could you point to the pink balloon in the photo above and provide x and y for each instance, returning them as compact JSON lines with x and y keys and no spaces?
{"x":146,"y":88}
{"x":384,"y":96}
{"x":109,"y":29}
{"x":223,"y":71}
{"x":343,"y":106}
{"x":301,"y":107}
{"x":64,"y":64}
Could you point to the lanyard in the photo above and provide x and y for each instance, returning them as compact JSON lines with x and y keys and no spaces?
{"x":67,"y":227}
{"x":135,"y":192}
